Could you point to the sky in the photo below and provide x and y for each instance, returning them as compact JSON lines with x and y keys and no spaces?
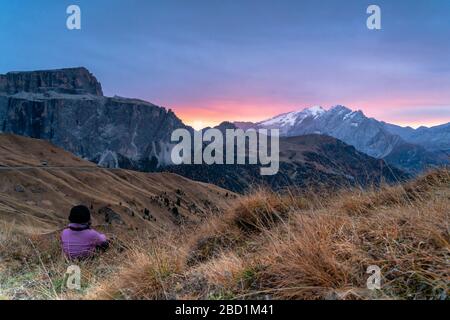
{"x":246,"y":60}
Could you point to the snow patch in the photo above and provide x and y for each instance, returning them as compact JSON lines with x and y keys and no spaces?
{"x":283,"y":119}
{"x":291,"y":118}
{"x":315,"y":110}
{"x":349,"y":116}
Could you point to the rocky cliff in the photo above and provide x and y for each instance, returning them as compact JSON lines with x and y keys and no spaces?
{"x":67,"y":107}
{"x":70,"y":80}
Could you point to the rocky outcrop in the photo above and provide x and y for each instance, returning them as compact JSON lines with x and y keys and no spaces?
{"x":67,"y":108}
{"x":71,"y":80}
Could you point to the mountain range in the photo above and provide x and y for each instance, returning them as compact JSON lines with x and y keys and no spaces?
{"x":308,"y":161}
{"x":412,"y":150}
{"x":67,"y":107}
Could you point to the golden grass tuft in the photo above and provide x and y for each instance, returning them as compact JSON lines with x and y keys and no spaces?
{"x":148,"y":273}
{"x":258,"y":211}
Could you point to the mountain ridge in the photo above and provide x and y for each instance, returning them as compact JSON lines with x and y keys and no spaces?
{"x":68,"y":108}
{"x":375,"y":138}
{"x":308,"y":161}
{"x":75,"y":80}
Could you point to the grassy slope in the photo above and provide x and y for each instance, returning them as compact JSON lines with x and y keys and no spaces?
{"x":267,"y":245}
{"x":38,"y":199}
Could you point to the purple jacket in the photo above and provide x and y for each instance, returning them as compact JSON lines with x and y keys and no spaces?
{"x":79,"y":241}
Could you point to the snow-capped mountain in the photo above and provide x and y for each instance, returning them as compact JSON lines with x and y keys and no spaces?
{"x":286,"y":121}
{"x":419,"y":148}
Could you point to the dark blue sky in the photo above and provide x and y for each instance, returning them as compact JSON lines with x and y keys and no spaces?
{"x":213,"y":60}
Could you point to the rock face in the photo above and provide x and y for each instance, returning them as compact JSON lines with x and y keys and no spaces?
{"x":406,"y":148}
{"x":67,"y":107}
{"x":71,"y":80}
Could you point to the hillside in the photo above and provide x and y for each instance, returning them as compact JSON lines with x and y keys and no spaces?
{"x":266,"y":246}
{"x":311,"y":161}
{"x":36,"y":198}
{"x":18,"y":151}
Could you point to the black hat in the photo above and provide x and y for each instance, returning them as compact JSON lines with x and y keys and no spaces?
{"x":80,"y":214}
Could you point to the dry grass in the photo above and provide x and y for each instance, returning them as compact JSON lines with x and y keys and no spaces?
{"x":288,"y":247}
{"x":143,"y":276}
{"x":403,"y":230}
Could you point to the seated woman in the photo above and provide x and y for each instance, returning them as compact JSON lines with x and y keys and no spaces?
{"x":78,"y":239}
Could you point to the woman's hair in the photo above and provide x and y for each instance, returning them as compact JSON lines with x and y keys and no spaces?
{"x":80,"y":214}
